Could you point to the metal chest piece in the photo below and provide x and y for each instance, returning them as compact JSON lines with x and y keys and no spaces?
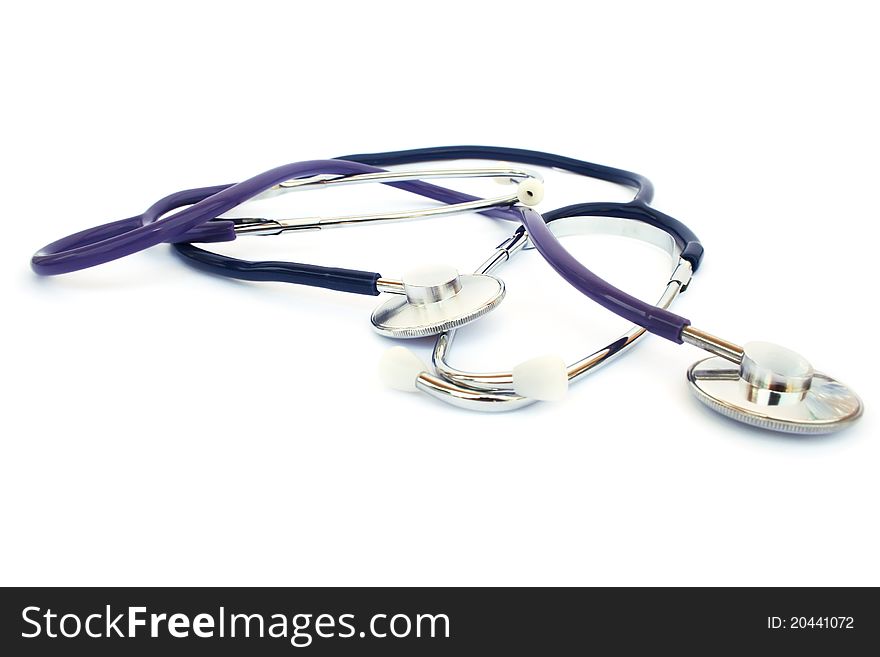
{"x":774,"y":388}
{"x":434,"y":299}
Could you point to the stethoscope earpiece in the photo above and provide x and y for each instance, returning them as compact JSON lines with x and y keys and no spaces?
{"x":774,"y":388}
{"x":544,"y":378}
{"x":434,"y":299}
{"x":530,"y":192}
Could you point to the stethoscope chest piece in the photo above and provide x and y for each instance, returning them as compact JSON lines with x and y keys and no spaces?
{"x":774,"y":388}
{"x":431,"y":300}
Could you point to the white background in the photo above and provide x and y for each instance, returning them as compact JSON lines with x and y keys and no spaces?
{"x":160,"y":426}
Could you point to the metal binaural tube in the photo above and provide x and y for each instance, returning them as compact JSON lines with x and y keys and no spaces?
{"x":503,"y":381}
{"x":712,"y":344}
{"x":479,"y":400}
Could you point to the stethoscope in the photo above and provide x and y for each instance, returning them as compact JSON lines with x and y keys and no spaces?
{"x":760,"y":384}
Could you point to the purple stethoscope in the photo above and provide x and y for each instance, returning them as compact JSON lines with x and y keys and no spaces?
{"x":760,"y":384}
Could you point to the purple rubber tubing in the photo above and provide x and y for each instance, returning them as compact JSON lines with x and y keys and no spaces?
{"x":656,"y":320}
{"x":117,"y":239}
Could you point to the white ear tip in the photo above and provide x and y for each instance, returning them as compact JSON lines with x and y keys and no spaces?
{"x":544,"y":378}
{"x":399,"y":368}
{"x":530,"y":192}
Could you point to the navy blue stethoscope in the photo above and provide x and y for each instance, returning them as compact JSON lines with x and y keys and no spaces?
{"x":760,"y":384}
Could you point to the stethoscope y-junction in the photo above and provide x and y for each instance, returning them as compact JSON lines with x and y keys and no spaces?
{"x":760,"y":384}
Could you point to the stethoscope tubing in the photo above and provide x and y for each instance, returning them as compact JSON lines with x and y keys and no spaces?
{"x":657,"y":320}
{"x":117,"y":239}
